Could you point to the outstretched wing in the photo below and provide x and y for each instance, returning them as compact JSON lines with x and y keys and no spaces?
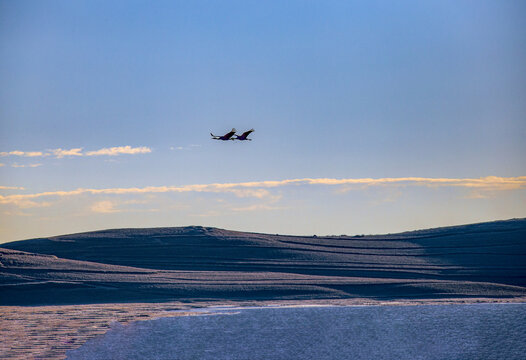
{"x":227,"y":136}
{"x":246,"y":133}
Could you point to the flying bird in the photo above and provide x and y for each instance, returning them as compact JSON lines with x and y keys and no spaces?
{"x":227,"y":136}
{"x":244,"y":135}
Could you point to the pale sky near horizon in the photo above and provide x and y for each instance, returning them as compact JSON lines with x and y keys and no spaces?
{"x":370,"y":116}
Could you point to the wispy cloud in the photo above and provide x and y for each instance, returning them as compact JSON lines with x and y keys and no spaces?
{"x":110,"y":207}
{"x":258,"y":189}
{"x":22,"y":153}
{"x":488,"y":182}
{"x":104,"y":207}
{"x":118,"y":150}
{"x":189,"y":147}
{"x":61,"y":153}
{"x":258,"y":207}
{"x":25,"y":165}
{"x":478,"y":195}
{"x":11,"y":187}
{"x":15,"y":213}
{"x":255,"y":193}
{"x":25,"y":203}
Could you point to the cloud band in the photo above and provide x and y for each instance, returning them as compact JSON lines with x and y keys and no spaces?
{"x":258,"y":188}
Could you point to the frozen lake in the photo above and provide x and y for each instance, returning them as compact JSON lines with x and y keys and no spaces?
{"x":485,"y":331}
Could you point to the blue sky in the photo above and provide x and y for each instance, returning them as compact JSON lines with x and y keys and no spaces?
{"x":123,"y":94}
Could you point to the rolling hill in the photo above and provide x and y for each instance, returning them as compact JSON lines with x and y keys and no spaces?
{"x":196,"y":263}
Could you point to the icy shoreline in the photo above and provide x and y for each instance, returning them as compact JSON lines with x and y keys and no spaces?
{"x":320,"y":332}
{"x":47,"y":332}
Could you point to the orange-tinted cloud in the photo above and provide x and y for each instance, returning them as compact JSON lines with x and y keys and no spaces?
{"x":22,"y":153}
{"x":258,"y":188}
{"x":103,"y":207}
{"x":118,"y":150}
{"x":60,"y":153}
{"x":26,"y":165}
{"x":11,"y":187}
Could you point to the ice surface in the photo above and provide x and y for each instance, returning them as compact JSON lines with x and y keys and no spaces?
{"x":486,"y":331}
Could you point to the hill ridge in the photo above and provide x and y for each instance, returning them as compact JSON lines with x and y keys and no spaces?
{"x":485,"y":259}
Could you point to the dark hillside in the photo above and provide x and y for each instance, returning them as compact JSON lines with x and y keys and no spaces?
{"x":493,"y":251}
{"x":487,"y":259}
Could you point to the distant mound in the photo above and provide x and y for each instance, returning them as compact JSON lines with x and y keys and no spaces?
{"x":479,"y":260}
